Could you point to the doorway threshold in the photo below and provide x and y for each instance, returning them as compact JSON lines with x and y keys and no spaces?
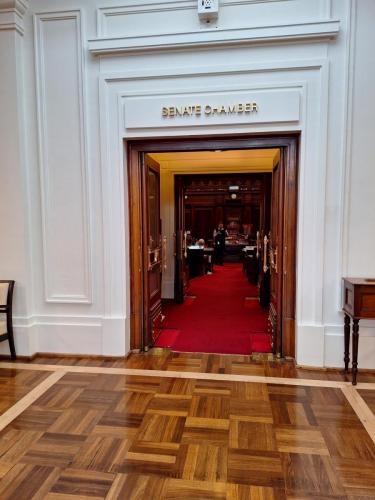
{"x":264,"y":356}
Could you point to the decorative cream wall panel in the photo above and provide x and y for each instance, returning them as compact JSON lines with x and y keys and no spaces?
{"x":62,"y":156}
{"x":151,"y":17}
{"x":359,"y":218}
{"x":274,"y":105}
{"x":311,"y":78}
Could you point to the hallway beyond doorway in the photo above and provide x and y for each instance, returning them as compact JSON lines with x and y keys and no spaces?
{"x":221,"y":315}
{"x":164,"y":244}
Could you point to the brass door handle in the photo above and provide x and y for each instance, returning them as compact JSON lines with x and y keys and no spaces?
{"x":154,"y":257}
{"x":185,"y":244}
{"x":272,"y":262}
{"x":284,"y":259}
{"x":258,"y":244}
{"x":164,"y":253}
{"x":273,"y":259}
{"x":265,"y":242}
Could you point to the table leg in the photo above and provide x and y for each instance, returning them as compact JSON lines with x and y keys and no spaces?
{"x":347,"y":341}
{"x":355,"y":351}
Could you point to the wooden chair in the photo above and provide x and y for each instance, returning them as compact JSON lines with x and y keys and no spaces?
{"x":6,"y":322}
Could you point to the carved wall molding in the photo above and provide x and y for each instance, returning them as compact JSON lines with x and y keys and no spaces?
{"x":58,"y":103}
{"x":322,"y":31}
{"x":12,"y":15}
{"x":202,"y":184}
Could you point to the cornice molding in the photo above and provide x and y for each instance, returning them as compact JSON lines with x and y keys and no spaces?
{"x":12,"y":15}
{"x":322,"y":31}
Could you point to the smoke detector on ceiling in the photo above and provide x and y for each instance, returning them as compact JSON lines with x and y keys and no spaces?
{"x":208,"y":10}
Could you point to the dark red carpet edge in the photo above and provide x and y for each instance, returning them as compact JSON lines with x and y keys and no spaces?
{"x":220,"y":319}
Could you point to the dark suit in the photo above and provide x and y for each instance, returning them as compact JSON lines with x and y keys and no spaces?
{"x":219,"y":246}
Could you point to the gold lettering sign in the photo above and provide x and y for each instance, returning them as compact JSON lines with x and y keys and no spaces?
{"x":209,"y":110}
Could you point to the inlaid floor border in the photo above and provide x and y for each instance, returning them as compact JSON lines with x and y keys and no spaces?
{"x":350,"y":392}
{"x":14,"y":411}
{"x":361,"y":409}
{"x":261,"y":379}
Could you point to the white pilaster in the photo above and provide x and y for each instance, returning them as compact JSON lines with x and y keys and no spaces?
{"x":14,"y":247}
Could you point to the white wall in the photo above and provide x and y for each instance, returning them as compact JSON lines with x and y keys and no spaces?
{"x":359,"y":194}
{"x":95,"y":74}
{"x":15,"y":261}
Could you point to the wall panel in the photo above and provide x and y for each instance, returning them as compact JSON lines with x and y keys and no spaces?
{"x":62,"y":156}
{"x":151,"y":17}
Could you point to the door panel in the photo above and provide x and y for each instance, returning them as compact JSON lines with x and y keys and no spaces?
{"x":181,"y":268}
{"x":275,"y":250}
{"x":152,"y":245}
{"x":263,"y":243}
{"x":203,"y":222}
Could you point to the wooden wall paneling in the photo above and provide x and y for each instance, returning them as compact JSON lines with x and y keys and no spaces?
{"x":135,"y":248}
{"x":219,"y":214}
{"x":290,"y":247}
{"x":248,"y":214}
{"x":144,"y":223}
{"x":203,"y":222}
{"x":212,"y":191}
{"x":188,"y":217}
{"x":276,"y":242}
{"x":266,"y":207}
{"x":152,"y":249}
{"x":256,"y":217}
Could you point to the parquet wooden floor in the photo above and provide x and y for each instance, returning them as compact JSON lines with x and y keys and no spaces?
{"x":15,"y":384}
{"x":209,"y":363}
{"x":104,"y":436}
{"x":369,"y":397}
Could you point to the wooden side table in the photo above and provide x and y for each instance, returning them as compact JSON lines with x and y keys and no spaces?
{"x":358,"y":303}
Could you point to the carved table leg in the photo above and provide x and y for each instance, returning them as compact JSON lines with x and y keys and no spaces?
{"x":347,"y":341}
{"x":355,"y":351}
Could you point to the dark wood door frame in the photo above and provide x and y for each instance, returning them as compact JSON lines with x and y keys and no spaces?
{"x":288,"y":144}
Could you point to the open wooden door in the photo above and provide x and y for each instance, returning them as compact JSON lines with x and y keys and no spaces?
{"x":262,"y":244}
{"x":275,"y":250}
{"x":152,"y":250}
{"x":181,"y":267}
{"x":146,"y":253}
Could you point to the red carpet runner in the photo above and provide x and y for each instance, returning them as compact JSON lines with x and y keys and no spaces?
{"x":225,"y":317}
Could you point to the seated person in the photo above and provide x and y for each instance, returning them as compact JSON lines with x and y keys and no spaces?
{"x":200,"y":262}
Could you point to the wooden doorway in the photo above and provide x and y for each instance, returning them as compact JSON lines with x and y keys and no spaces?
{"x":280,"y":255}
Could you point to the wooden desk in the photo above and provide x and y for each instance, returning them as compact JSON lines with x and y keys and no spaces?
{"x":359,"y":303}
{"x":199,"y":260}
{"x":250,"y":264}
{"x":233,"y":252}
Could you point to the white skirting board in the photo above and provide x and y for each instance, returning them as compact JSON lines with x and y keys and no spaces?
{"x":323,"y":345}
{"x":70,"y":335}
{"x":334,"y":346}
{"x":316,"y":346}
{"x":25,"y":338}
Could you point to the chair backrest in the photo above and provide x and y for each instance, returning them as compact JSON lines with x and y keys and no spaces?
{"x":6,"y":293}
